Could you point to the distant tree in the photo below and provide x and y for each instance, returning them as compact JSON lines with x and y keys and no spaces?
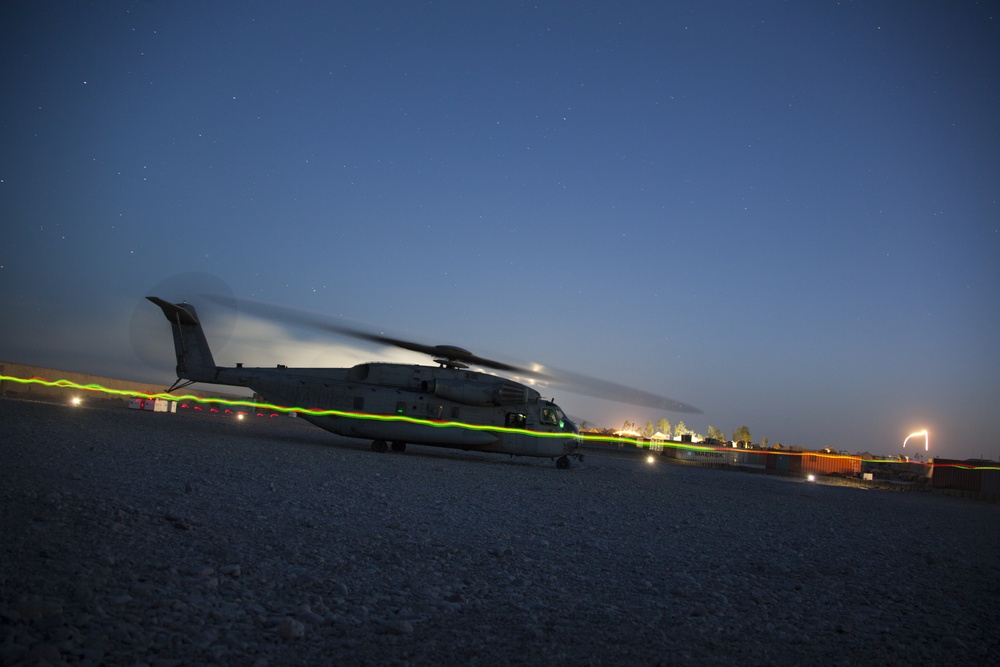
{"x":663,"y":426}
{"x":742,"y":434}
{"x":647,"y":430}
{"x":716,"y":434}
{"x":681,"y":429}
{"x":628,"y":426}
{"x":763,"y":442}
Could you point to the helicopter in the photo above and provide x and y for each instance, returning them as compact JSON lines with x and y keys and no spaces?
{"x":448,"y":405}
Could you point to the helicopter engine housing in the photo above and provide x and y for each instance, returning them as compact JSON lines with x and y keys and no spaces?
{"x":481,"y":394}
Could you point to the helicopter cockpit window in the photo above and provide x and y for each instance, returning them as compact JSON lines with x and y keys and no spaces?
{"x":515,"y":420}
{"x":556,"y":417}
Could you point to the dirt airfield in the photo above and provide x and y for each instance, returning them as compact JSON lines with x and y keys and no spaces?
{"x":133,"y":537}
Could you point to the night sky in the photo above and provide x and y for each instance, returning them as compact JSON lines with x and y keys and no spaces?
{"x":784,"y":213}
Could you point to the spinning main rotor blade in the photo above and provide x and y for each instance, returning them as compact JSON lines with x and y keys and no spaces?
{"x":611,"y":391}
{"x":572,"y":382}
{"x":313,"y":321}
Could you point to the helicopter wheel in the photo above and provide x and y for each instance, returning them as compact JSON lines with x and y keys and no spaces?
{"x":398,"y":446}
{"x":379,"y":446}
{"x":562,"y":463}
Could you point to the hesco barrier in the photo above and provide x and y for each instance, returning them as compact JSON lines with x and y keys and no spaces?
{"x":978,"y":480}
{"x":981,"y":478}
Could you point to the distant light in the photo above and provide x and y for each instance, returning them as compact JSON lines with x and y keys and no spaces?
{"x":650,"y":459}
{"x":923,"y":433}
{"x":811,"y":478}
{"x":75,"y":400}
{"x":239,"y":415}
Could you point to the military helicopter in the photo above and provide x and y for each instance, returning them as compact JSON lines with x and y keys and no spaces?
{"x":450,"y":405}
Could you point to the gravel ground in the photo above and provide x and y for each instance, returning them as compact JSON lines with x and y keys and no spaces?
{"x":141,"y":538}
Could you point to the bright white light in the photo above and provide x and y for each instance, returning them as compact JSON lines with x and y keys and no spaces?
{"x":923,"y":433}
{"x":75,"y":400}
{"x":650,"y":459}
{"x":811,"y":478}
{"x":240,"y":415}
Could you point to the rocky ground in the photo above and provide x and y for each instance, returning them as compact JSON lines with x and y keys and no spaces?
{"x":133,"y":537}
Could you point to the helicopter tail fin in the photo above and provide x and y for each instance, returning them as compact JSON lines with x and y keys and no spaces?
{"x":194,"y":358}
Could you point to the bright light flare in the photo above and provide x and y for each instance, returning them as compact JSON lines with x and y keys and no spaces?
{"x":650,"y":459}
{"x":811,"y":478}
{"x":75,"y":400}
{"x":916,"y":434}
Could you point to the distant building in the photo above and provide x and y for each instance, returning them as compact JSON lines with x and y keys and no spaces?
{"x":972,"y":476}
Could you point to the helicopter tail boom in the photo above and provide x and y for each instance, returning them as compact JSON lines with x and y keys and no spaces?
{"x":194,"y":358}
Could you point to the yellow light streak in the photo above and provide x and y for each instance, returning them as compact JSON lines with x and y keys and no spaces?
{"x":610,"y":440}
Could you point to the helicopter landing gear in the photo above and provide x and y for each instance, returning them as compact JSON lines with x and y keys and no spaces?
{"x":398,"y":446}
{"x":562,"y":463}
{"x":379,"y":446}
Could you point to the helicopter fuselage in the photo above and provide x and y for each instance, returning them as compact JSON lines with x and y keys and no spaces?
{"x":417,"y":404}
{"x":446,"y":406}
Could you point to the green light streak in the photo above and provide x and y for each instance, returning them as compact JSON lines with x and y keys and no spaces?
{"x":68,"y":384}
{"x":597,"y":439}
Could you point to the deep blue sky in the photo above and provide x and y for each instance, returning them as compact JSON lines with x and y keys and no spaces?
{"x":785,"y":213}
